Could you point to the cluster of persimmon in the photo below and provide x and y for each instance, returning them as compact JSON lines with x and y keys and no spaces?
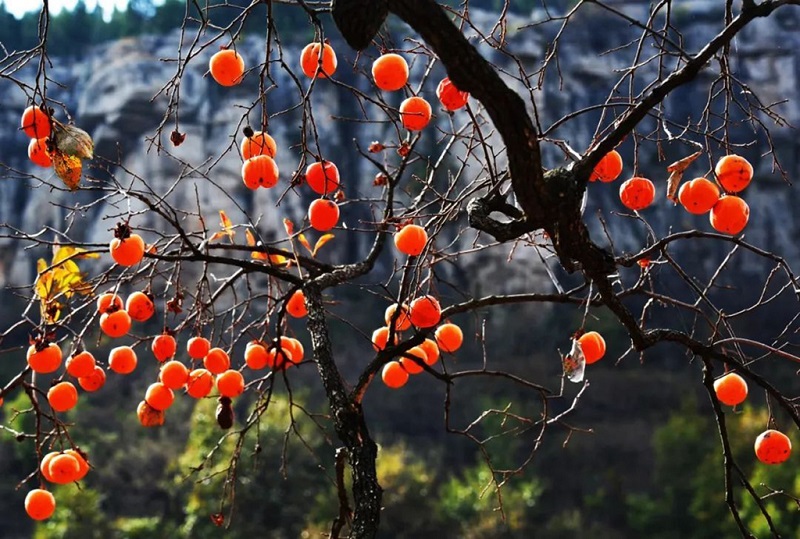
{"x":390,"y":73}
{"x":423,"y":313}
{"x":60,"y":468}
{"x":728,"y":213}
{"x":771,"y":446}
{"x":35,"y":123}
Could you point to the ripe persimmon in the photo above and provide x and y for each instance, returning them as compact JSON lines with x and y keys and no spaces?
{"x":449,"y":337}
{"x":62,"y":397}
{"x":164,"y":347}
{"x":40,"y":504}
{"x":731,"y":389}
{"x":256,"y":356}
{"x":310,"y":60}
{"x":290,"y":352}
{"x":174,"y":374}
{"x":93,"y":381}
{"x":637,"y":193}
{"x":415,"y":113}
{"x":108,"y":302}
{"x":159,"y":396}
{"x":608,"y":169}
{"x":411,"y":240}
{"x":149,"y":416}
{"x":402,"y":323}
{"x":227,"y":67}
{"x":449,"y":96}
{"x":380,"y":338}
{"x":729,"y":215}
{"x":122,"y":360}
{"x":80,"y":364}
{"x":390,"y":72}
{"x":322,"y":177}
{"x":259,"y":143}
{"x":35,"y":122}
{"x":296,"y":304}
{"x":773,"y":447}
{"x":425,"y":312}
{"x":116,"y":324}
{"x":83,"y":466}
{"x":198,"y":347}
{"x":140,"y":307}
{"x":394,"y":375}
{"x":279,"y":358}
{"x":128,"y":251}
{"x":431,"y":351}
{"x":411,"y":366}
{"x":200,"y":383}
{"x":593,"y":346}
{"x":323,"y":214}
{"x":64,"y":469}
{"x":38,"y":154}
{"x":260,"y":171}
{"x":46,"y":359}
{"x":217,"y":361}
{"x":44,"y":466}
{"x":230,"y":383}
{"x":698,"y":196}
{"x":734,"y":173}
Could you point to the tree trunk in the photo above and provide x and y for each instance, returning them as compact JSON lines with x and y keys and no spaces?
{"x":349,"y":422}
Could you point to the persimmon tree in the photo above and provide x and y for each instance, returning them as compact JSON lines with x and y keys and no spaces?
{"x":467,"y":166}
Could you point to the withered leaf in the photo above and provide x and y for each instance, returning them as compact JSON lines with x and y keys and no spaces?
{"x":676,"y":171}
{"x":68,"y":168}
{"x":73,"y":141}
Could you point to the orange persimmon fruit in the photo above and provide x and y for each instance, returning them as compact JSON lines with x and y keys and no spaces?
{"x":226,"y":67}
{"x":731,"y":389}
{"x":449,"y":96}
{"x":122,"y":360}
{"x":411,"y":240}
{"x":128,"y":251}
{"x":729,"y":215}
{"x":323,"y":214}
{"x":394,"y":375}
{"x":140,"y":307}
{"x":35,"y":122}
{"x":593,"y":346}
{"x":773,"y":447}
{"x":637,"y":193}
{"x":415,"y":113}
{"x":310,"y":60}
{"x":734,"y":173}
{"x":608,"y":169}
{"x":322,"y":177}
{"x":390,"y":72}
{"x":698,"y":196}
{"x":62,"y":397}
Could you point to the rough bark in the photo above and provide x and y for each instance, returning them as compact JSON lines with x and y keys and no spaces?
{"x":349,"y":422}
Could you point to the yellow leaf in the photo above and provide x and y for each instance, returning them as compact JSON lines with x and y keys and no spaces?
{"x":304,"y":242}
{"x":289,"y":226}
{"x":217,"y":235}
{"x":279,"y":260}
{"x":325,"y":238}
{"x":251,"y":239}
{"x":68,"y":168}
{"x":64,"y":252}
{"x":227,"y":226}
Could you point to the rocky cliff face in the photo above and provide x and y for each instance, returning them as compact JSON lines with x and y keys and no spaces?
{"x":110,"y":92}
